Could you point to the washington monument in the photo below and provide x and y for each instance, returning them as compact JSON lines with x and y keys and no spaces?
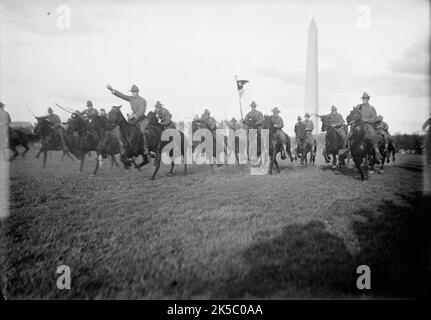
{"x":312,"y":80}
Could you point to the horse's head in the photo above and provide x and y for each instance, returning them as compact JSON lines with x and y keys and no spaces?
{"x":326,"y":123}
{"x":355,"y":115}
{"x":152,"y":118}
{"x":76,"y":123}
{"x":114,"y":117}
{"x":42,"y":127}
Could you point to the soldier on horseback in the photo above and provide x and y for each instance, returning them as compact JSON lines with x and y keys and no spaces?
{"x":233,"y":124}
{"x":383,"y":130}
{"x":55,"y":123}
{"x":336,"y":121}
{"x":208,"y":121}
{"x":254,"y":119}
{"x":164,"y":116}
{"x":278,"y":125}
{"x":139,"y":106}
{"x":309,"y":127}
{"x":369,"y":122}
{"x":90,"y":112}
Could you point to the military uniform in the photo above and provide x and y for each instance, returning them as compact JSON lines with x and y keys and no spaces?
{"x":164,"y":115}
{"x":278,"y":125}
{"x":369,"y":122}
{"x":90,"y":112}
{"x":254,"y":116}
{"x":336,"y":120}
{"x":139,"y":106}
{"x":233,"y":124}
{"x":298,"y":126}
{"x":383,"y":130}
{"x":208,"y":121}
{"x":55,"y":123}
{"x":309,"y":127}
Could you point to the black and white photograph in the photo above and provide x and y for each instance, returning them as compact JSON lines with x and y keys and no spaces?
{"x":232,"y":151}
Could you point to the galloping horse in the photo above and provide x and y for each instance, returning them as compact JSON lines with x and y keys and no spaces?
{"x":133,"y":141}
{"x":361,"y":147}
{"x":50,"y":139}
{"x":305,"y":146}
{"x":18,"y":136}
{"x":275,"y":143}
{"x":333,"y":144}
{"x":88,"y":136}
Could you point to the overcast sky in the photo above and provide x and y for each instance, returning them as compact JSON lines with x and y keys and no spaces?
{"x":186,"y":54}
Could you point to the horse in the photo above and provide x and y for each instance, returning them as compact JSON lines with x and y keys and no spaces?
{"x":50,"y":139}
{"x":275,"y":143}
{"x":18,"y":136}
{"x":89,"y":139}
{"x":132,"y":139}
{"x":361,"y":148}
{"x":333,"y":143}
{"x":304,"y":147}
{"x":392,"y":150}
{"x":198,"y":124}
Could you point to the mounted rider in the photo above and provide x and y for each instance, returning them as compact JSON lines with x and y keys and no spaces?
{"x":298,"y":126}
{"x":369,"y":122}
{"x":254,"y":119}
{"x":383,"y":130}
{"x":139,"y":106}
{"x":278,"y":125}
{"x":336,"y":121}
{"x":164,"y":116}
{"x":233,"y":124}
{"x":309,"y":127}
{"x":55,"y":123}
{"x":90,"y":112}
{"x":209,"y":121}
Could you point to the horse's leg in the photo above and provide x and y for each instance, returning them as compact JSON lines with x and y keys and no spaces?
{"x":38,"y":154}
{"x":156,"y":166}
{"x":82,"y":162}
{"x":172,"y":168}
{"x":15,"y":153}
{"x":358,"y":166}
{"x":276,"y":165}
{"x":45,"y":153}
{"x":26,"y":149}
{"x":62,"y":156}
{"x":271,"y":163}
{"x":334,"y":161}
{"x":97,"y":163}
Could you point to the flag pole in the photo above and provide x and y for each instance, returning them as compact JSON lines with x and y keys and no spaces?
{"x":239,"y":97}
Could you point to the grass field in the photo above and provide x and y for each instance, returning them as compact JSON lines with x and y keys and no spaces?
{"x":298,"y":234}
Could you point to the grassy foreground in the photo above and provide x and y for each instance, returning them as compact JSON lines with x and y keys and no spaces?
{"x":298,"y":234}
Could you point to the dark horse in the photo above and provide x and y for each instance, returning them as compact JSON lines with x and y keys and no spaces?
{"x":334,"y":144}
{"x":93,"y":136}
{"x":361,"y":148}
{"x":133,"y":142}
{"x":50,"y":139}
{"x":275,"y":144}
{"x":20,"y":136}
{"x":305,"y":147}
{"x":88,"y":138}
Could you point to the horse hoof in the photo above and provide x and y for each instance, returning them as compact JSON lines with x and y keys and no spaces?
{"x":152,"y":178}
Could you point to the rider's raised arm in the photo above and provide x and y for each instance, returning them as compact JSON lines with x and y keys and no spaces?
{"x":121,"y":95}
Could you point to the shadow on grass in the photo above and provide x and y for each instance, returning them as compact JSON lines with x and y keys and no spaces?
{"x":309,"y":261}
